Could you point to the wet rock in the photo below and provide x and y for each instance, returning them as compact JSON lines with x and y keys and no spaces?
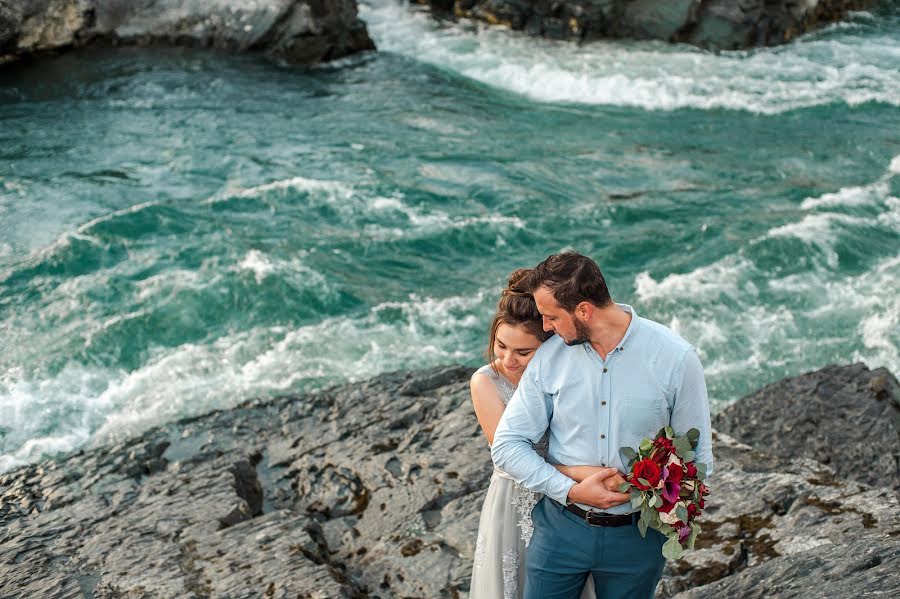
{"x":844,"y":416}
{"x":293,"y":31}
{"x":713,"y":24}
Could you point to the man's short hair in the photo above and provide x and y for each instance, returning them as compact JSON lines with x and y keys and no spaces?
{"x":572,"y":279}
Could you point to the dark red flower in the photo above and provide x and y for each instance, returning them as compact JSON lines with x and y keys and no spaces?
{"x":649,"y":471}
{"x":691,"y":470}
{"x":665,"y":444}
{"x":675,"y":473}
{"x":666,"y":507}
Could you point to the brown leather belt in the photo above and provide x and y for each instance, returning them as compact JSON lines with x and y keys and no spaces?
{"x":601,"y":519}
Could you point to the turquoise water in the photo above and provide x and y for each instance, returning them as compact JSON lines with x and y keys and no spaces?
{"x":181,"y":230}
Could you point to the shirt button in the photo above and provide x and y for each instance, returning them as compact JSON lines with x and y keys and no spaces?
{"x":603,"y":464}
{"x":602,"y":403}
{"x":602,"y":436}
{"x":605,"y":369}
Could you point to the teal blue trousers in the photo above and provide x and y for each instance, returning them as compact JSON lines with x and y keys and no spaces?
{"x":565,"y":550}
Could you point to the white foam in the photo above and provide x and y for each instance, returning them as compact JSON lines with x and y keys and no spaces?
{"x":650,"y":75}
{"x":367,"y":210}
{"x":84,"y":229}
{"x":848,"y":197}
{"x":864,"y":195}
{"x":894,"y":167}
{"x":706,"y":283}
{"x":104,"y":405}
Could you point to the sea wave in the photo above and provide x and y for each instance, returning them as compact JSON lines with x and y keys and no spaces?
{"x":102,"y":405}
{"x":845,"y":308}
{"x":849,"y":65}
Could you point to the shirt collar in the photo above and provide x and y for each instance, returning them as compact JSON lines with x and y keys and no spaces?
{"x":632,"y":326}
{"x":629,"y":332}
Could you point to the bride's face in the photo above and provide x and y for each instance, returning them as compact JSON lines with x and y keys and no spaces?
{"x":514,"y":347}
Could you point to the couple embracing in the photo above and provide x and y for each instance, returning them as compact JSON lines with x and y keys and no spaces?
{"x":573,"y":377}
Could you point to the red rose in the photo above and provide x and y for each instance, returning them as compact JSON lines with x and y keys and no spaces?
{"x":693,"y":510}
{"x":691,"y":470}
{"x":660,"y":456}
{"x":662,"y":448}
{"x":649,"y":471}
{"x":664,"y":443}
{"x":666,"y":507}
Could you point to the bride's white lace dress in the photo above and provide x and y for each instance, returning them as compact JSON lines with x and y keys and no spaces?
{"x":505,"y":528}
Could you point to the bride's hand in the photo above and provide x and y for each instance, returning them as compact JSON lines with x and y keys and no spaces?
{"x":579,"y":473}
{"x":612,"y":482}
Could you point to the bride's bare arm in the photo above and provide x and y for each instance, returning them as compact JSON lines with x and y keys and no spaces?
{"x":488,"y":405}
{"x":579,"y":473}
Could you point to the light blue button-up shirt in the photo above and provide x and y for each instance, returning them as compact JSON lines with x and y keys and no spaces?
{"x":593,"y":407}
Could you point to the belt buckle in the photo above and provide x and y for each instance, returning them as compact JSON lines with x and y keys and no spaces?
{"x":601,"y":518}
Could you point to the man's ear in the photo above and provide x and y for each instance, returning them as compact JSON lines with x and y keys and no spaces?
{"x":584,"y":311}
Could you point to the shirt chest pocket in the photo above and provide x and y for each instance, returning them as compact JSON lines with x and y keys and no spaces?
{"x":644,"y":415}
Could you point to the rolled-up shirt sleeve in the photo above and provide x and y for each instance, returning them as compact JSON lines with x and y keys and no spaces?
{"x":691,"y":408}
{"x":523,"y":423}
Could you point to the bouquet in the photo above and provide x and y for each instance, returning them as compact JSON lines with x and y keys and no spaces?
{"x":665,"y":482}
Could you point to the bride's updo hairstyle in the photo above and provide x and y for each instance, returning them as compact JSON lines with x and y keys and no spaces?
{"x":516,"y":308}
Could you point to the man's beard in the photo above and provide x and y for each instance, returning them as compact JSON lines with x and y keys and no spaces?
{"x":582,"y":333}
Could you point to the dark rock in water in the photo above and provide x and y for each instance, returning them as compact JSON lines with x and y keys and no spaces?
{"x":845,"y":416}
{"x":371,"y":490}
{"x":295,"y":31}
{"x":713,"y":24}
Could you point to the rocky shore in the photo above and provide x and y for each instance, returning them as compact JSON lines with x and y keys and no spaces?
{"x":374,"y":489}
{"x":294,"y":31}
{"x":712,"y":24}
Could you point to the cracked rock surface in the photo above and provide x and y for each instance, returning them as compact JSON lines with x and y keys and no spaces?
{"x":374,"y":490}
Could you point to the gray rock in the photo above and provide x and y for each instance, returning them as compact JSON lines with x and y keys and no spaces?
{"x":366,"y":490}
{"x":764,"y":506}
{"x":713,"y":24}
{"x":844,"y":416}
{"x":294,"y":31}
{"x":849,"y":567}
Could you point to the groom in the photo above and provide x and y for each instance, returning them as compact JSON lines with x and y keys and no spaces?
{"x":606,"y":380}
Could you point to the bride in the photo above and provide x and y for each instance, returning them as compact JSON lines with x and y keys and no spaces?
{"x":505,"y":528}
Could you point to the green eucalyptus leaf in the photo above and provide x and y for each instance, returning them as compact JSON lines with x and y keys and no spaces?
{"x":695,"y":530}
{"x":623,"y":488}
{"x":669,"y":432}
{"x":636,"y":502}
{"x":628,"y":452}
{"x":644,"y":482}
{"x":682,"y":513}
{"x":688,"y":456}
{"x":692,"y":434}
{"x":672,"y":548}
{"x":642,"y":527}
{"x":701,"y":470}
{"x":682,"y":446}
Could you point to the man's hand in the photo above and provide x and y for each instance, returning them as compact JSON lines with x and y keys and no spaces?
{"x":593,"y":490}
